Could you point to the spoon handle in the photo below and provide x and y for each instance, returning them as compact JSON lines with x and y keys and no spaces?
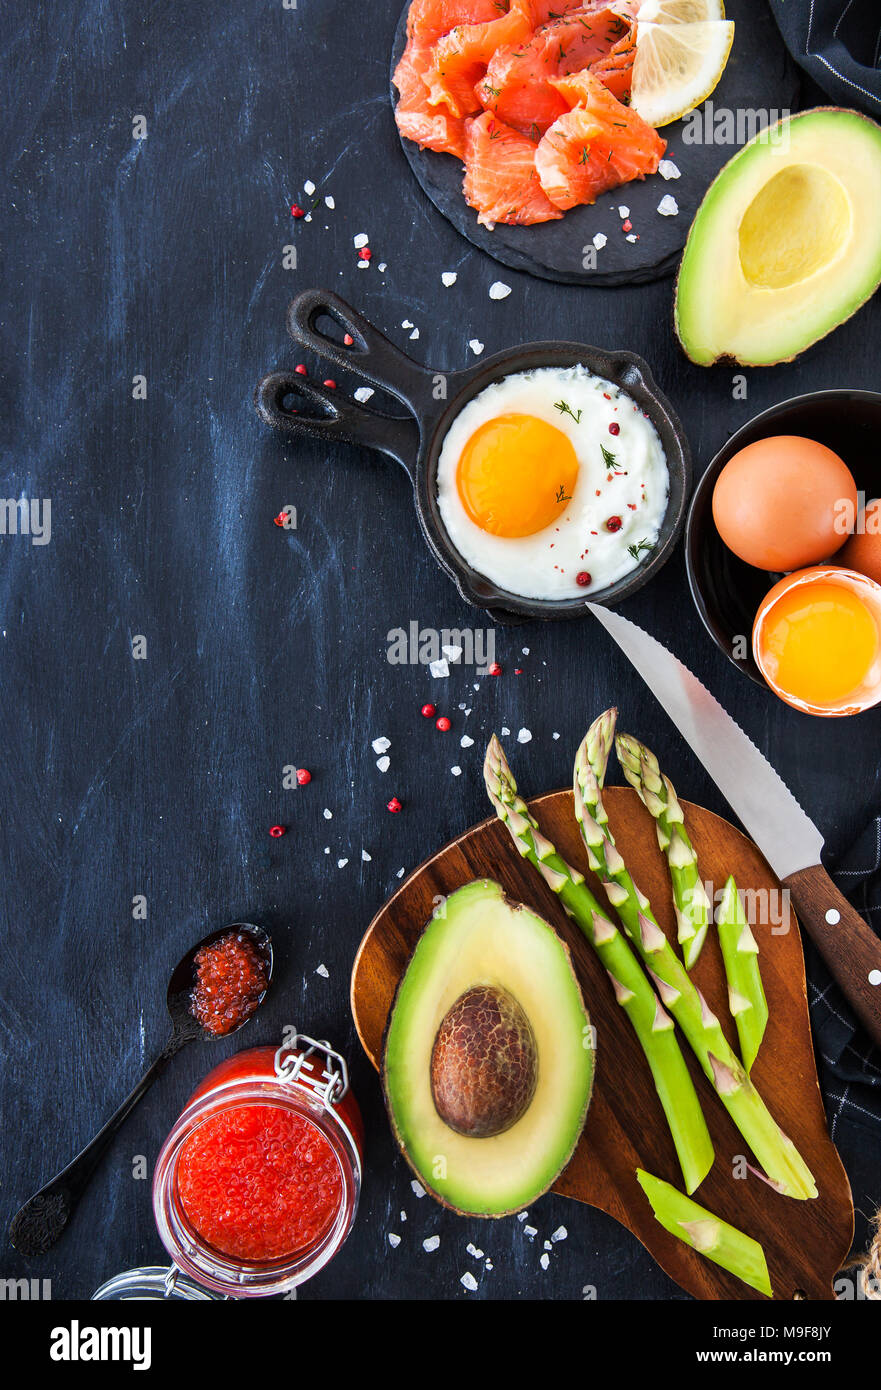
{"x":38,"y":1224}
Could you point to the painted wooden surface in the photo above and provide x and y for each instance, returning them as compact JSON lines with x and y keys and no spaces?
{"x":804,"y":1242}
{"x":164,"y":257}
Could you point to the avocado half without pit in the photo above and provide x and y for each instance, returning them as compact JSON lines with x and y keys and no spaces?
{"x":786,"y":244}
{"x":488,"y":1063}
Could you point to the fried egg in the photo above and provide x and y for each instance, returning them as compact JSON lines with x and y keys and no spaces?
{"x":552,"y":483}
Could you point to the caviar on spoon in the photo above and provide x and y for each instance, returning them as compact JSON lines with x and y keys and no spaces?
{"x":213,"y":991}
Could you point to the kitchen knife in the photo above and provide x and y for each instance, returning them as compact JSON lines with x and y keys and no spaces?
{"x":787,"y":837}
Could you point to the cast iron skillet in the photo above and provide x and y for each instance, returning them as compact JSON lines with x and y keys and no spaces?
{"x":292,"y":403}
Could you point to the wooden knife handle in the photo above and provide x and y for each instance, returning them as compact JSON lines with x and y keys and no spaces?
{"x":846,"y":942}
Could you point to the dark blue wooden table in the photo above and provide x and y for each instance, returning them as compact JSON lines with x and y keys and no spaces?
{"x":163,"y":258}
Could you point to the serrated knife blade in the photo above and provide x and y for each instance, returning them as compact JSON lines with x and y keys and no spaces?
{"x":784,"y":833}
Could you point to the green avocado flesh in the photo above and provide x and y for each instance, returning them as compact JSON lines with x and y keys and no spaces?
{"x":786,"y":244}
{"x":488,"y":1063}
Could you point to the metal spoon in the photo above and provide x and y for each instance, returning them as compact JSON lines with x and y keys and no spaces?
{"x":37,"y":1225}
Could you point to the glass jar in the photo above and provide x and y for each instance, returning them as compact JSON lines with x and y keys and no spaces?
{"x":304,"y":1077}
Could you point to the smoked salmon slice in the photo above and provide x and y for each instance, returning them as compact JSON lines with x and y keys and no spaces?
{"x":462,"y":56}
{"x":431,"y":19}
{"x":595,"y":146}
{"x":431,"y":127}
{"x":501,"y":181}
{"x":517,"y":86}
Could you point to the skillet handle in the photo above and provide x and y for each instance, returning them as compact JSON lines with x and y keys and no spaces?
{"x":337,"y":419}
{"x":371,"y":355}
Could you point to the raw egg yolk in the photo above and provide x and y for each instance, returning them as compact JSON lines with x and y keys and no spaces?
{"x":516,"y":475}
{"x":819,"y":641}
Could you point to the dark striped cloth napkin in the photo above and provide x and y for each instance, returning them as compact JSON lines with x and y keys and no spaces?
{"x":849,"y":1065}
{"x":838,"y":43}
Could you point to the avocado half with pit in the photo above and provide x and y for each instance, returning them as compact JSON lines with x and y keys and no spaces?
{"x":489,"y":1063}
{"x":786,"y":244}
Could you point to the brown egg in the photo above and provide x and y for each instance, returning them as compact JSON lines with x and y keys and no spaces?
{"x":862,"y":550}
{"x":784,"y":503}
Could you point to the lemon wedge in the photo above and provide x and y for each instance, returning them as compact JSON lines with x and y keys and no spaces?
{"x":680,"y":11}
{"x":677,"y":66}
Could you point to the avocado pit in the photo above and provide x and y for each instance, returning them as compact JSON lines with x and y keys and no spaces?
{"x":484,"y":1063}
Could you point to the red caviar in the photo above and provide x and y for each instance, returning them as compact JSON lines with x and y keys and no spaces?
{"x":259,"y":1182}
{"x":230,"y":979}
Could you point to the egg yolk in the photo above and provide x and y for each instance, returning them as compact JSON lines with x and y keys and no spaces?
{"x":516,"y":475}
{"x":819,"y":642}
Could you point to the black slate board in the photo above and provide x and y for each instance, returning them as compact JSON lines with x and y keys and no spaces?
{"x":759,"y":77}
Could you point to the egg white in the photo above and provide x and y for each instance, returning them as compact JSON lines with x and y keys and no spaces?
{"x":545,"y":565}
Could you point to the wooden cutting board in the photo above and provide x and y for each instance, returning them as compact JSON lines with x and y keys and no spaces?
{"x":804,"y":1242}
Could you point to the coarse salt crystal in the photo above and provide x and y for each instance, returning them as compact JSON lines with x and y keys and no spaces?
{"x":456,"y":771}
{"x":505,"y":731}
{"x":559,"y":1234}
{"x":499,"y":290}
{"x":400,"y":873}
{"x":623,"y":211}
{"x":452,"y":653}
{"x":363,"y":265}
{"x":439,"y":668}
{"x":414,"y":334}
{"x":393,"y":1240}
{"x":360,"y":240}
{"x":522,"y":1215}
{"x":403,"y":1216}
{"x":631,"y":236}
{"x":323,"y":971}
{"x":530,"y":1231}
{"x":473,"y":1251}
{"x":555,"y":736}
{"x":476,"y":346}
{"x":545,"y":1261}
{"x":406,"y":323}
{"x":489,"y":1265}
{"x":668,"y":170}
{"x":381,"y":267}
{"x":466,"y":742}
{"x":329,"y":202}
{"x":668,"y":206}
{"x":469,"y":1282}
{"x":364,"y":393}
{"x":384,"y":762}
{"x":524,"y":736}
{"x":341,"y":863}
{"x":547,"y":1245}
{"x":381,"y":745}
{"x":366,"y":858}
{"x":328,"y":815}
{"x":309,"y":187}
{"x":418,"y":1189}
{"x":525,"y":651}
{"x":600,"y":240}
{"x":449,"y":277}
{"x":430,"y":1243}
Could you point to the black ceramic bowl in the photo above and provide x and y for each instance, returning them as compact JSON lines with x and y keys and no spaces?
{"x":726,"y":591}
{"x":433,"y":399}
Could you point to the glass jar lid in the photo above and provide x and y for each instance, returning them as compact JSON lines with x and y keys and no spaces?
{"x":154,"y":1283}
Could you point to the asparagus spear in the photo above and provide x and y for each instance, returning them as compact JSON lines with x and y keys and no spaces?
{"x":784,"y":1168}
{"x":709,"y":1234}
{"x":640,"y":767}
{"x":746,"y":994}
{"x":651,"y":1023}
